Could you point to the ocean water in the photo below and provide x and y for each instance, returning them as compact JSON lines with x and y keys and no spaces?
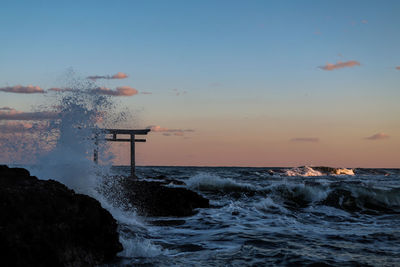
{"x":272,"y":216}
{"x":258,"y":216}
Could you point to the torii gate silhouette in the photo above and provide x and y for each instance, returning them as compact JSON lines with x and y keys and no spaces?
{"x":114,"y":138}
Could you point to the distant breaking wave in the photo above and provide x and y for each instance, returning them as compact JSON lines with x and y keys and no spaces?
{"x":316,"y":171}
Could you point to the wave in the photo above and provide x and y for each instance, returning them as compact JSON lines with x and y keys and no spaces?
{"x":212,"y":182}
{"x":351,"y":198}
{"x":306,"y":171}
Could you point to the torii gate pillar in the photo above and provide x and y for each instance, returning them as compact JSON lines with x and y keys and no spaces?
{"x":132,"y":140}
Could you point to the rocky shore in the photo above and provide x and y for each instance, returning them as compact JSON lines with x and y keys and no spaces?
{"x":154,"y":198}
{"x":44,"y":223}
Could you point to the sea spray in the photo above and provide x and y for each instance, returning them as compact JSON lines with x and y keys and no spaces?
{"x":61,"y":147}
{"x":80,"y":114}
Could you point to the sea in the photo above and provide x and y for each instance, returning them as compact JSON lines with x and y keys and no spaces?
{"x":304,"y":216}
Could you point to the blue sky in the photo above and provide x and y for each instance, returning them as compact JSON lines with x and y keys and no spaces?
{"x":235,"y":63}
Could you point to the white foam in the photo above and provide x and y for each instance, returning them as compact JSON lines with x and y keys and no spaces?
{"x":344,"y":171}
{"x":268,"y":203}
{"x":303,"y":171}
{"x":211,"y":182}
{"x":139,"y":247}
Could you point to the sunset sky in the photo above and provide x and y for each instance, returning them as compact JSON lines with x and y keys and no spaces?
{"x":222,"y":83}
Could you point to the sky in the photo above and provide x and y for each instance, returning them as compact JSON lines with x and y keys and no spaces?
{"x":221,"y":83}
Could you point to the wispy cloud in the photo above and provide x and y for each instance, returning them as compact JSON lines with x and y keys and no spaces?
{"x":398,"y":68}
{"x":56,"y":89}
{"x":119,"y":91}
{"x":167,"y":131}
{"x":119,"y":75}
{"x":340,"y":65}
{"x":146,"y":93}
{"x":378,"y":136}
{"x":12,"y":114}
{"x":364,"y":21}
{"x":305,"y":139}
{"x":19,"y":89}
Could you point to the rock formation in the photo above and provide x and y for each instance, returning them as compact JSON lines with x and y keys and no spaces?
{"x":43,"y":223}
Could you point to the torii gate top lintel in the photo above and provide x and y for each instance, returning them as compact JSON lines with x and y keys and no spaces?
{"x":126,"y":131}
{"x":132,"y":140}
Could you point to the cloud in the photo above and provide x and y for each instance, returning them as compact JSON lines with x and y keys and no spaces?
{"x":61,"y":89}
{"x":378,"y":136}
{"x":19,"y":89}
{"x":305,"y":139}
{"x":119,"y":75}
{"x":12,"y":114}
{"x":146,"y":93}
{"x":168,"y":132}
{"x":340,"y":65}
{"x":398,"y":68}
{"x":364,"y":21}
{"x":120,"y":91}
{"x":14,"y":127}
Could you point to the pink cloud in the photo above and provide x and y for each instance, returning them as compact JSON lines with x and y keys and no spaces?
{"x":364,"y":21}
{"x":13,"y":127}
{"x":12,"y":114}
{"x":168,"y":132}
{"x":120,"y":91}
{"x":305,"y":139}
{"x":119,"y":75}
{"x":378,"y":136}
{"x":340,"y":65}
{"x":19,"y":89}
{"x":398,"y":68}
{"x":60,"y":89}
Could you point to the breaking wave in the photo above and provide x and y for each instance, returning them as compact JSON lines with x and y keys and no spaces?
{"x":212,"y":182}
{"x":351,"y":198}
{"x":316,"y":171}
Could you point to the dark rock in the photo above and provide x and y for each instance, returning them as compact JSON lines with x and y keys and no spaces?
{"x":153,"y":198}
{"x":43,"y":223}
{"x":165,"y":180}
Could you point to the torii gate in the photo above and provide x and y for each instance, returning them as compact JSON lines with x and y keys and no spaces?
{"x":114,"y":138}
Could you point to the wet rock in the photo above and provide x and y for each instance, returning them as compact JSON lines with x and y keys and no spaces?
{"x":165,"y":180}
{"x":43,"y":223}
{"x":155,"y":199}
{"x":152,"y":198}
